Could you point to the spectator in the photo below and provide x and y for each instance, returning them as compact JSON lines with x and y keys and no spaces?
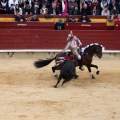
{"x":47,"y":3}
{"x":54,"y":10}
{"x":44,"y":10}
{"x":59,"y":25}
{"x":103,"y":3}
{"x":119,"y":6}
{"x":19,"y":18}
{"x":14,"y":2}
{"x":17,"y":9}
{"x":84,"y":18}
{"x":36,"y":2}
{"x":70,"y":19}
{"x":117,"y":19}
{"x":95,"y":3}
{"x":27,"y":10}
{"x":10,"y":10}
{"x":95,"y":11}
{"x":56,"y":2}
{"x":35,"y":10}
{"x":64,"y":8}
{"x":72,"y":4}
{"x":114,"y":11}
{"x":82,"y":2}
{"x":21,"y":3}
{"x":30,"y":2}
{"x":34,"y":18}
{"x":105,"y":11}
{"x":76,"y":11}
{"x":1,"y":9}
{"x":86,"y":9}
{"x":112,"y":4}
{"x":4,"y":5}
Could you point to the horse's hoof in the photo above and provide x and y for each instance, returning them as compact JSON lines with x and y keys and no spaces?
{"x":81,"y":68}
{"x":93,"y":77}
{"x":55,"y":86}
{"x":55,"y":75}
{"x":97,"y":72}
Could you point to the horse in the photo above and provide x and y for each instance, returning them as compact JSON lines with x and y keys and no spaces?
{"x":90,"y":50}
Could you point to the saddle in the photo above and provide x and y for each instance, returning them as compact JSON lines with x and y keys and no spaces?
{"x":70,"y":54}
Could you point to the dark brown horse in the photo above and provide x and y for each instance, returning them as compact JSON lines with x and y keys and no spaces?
{"x":91,"y":50}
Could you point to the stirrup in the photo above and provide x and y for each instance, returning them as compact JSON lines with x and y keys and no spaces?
{"x":81,"y":68}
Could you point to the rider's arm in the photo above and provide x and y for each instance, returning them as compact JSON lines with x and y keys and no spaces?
{"x":78,"y":41}
{"x":69,"y":37}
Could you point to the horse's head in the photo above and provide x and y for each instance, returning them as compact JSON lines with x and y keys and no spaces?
{"x":98,"y":50}
{"x":94,"y":49}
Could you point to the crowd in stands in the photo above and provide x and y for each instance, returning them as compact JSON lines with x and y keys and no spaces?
{"x":60,"y":7}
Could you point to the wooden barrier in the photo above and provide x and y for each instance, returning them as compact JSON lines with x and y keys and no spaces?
{"x":98,"y":18}
{"x":16,"y":39}
{"x":27,"y":25}
{"x":85,"y":26}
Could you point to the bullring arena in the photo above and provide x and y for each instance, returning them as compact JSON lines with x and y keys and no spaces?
{"x":27,"y":93}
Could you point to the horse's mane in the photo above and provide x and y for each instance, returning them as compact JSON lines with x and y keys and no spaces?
{"x":92,"y":44}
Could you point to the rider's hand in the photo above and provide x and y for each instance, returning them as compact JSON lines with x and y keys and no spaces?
{"x":70,"y":35}
{"x":79,"y":45}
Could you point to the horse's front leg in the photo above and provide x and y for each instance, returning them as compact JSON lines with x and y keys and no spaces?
{"x":98,"y":70}
{"x":54,"y":73}
{"x":91,"y":74}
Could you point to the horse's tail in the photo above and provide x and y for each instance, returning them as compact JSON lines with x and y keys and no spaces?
{"x":42,"y":63}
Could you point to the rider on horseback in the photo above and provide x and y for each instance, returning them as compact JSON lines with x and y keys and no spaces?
{"x":72,"y":44}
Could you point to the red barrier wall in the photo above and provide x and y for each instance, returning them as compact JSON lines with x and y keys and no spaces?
{"x":51,"y":39}
{"x":85,"y":26}
{"x":27,"y":25}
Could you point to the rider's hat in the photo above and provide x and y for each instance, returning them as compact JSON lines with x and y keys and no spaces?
{"x":71,"y":34}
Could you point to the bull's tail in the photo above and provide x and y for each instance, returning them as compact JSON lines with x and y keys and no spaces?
{"x":42,"y":63}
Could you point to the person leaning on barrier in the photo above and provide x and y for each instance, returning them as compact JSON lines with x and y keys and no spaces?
{"x":84,"y":18}
{"x":70,"y":19}
{"x":113,"y":13}
{"x":59,"y":25}
{"x":19,"y":18}
{"x":34,"y":18}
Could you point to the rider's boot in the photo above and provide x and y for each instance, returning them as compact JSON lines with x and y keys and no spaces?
{"x":80,"y":65}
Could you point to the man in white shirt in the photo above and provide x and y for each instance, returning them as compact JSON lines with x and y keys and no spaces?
{"x":14,"y":2}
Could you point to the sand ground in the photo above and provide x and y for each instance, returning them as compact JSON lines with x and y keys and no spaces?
{"x":27,"y":93}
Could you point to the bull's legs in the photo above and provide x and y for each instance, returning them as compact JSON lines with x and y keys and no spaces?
{"x":66,"y":80}
{"x":89,"y":69}
{"x":53,"y":69}
{"x":59,"y":79}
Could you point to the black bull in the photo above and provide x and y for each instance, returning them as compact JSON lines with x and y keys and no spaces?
{"x":68,"y":72}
